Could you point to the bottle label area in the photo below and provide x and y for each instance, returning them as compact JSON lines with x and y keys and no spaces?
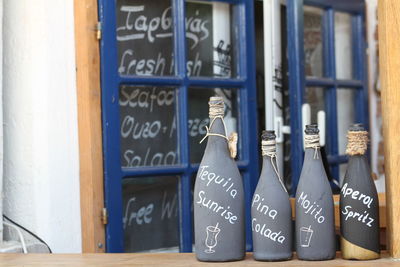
{"x":265,"y":218}
{"x":311,"y":207}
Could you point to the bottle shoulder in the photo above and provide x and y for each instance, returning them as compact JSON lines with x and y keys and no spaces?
{"x":313,"y":174}
{"x":269,"y":179}
{"x":358,"y":177}
{"x":313,"y":179}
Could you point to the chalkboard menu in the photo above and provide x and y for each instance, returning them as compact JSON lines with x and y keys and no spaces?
{"x":148,"y":114}
{"x":150,"y":213}
{"x":148,"y":127}
{"x":145,"y":43}
{"x":313,"y":41}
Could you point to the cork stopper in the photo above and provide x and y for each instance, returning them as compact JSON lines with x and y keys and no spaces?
{"x":311,"y":129}
{"x":357,"y":127}
{"x":357,"y":138}
{"x":268,"y":135}
{"x":217,"y":107}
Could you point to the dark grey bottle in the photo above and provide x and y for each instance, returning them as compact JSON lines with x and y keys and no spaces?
{"x":218,"y":197}
{"x":271,"y":213}
{"x":315,"y":224}
{"x":359,"y":203}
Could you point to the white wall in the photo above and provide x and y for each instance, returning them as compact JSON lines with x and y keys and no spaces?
{"x":377,"y":164}
{"x":41,"y":158}
{"x":1,"y":117}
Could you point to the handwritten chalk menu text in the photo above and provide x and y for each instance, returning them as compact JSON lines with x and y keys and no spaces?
{"x":268,"y":213}
{"x":148,"y":127}
{"x":150,"y":213}
{"x":145,"y":38}
{"x":311,"y":208}
{"x":362,"y":215}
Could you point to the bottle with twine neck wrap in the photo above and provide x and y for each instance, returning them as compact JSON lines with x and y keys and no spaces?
{"x":359,"y":204}
{"x":218,"y":196}
{"x":271,"y":213}
{"x":315,"y":223}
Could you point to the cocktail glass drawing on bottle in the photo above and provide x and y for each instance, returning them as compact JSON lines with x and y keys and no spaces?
{"x":305,"y":236}
{"x":211,"y":240}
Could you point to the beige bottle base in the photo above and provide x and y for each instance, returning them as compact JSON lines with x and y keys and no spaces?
{"x":354,"y":252}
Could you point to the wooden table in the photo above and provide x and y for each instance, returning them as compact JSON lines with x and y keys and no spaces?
{"x":164,"y":260}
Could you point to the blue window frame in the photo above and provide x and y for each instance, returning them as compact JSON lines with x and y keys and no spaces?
{"x":330,"y":83}
{"x":111,"y":81}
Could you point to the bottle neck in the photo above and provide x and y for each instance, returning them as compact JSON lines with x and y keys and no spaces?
{"x":267,"y":162}
{"x":312,"y":154}
{"x":357,"y":142}
{"x":270,"y":165}
{"x":217,"y":127}
{"x":357,"y":157}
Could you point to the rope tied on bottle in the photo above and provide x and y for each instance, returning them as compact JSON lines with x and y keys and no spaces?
{"x":216,"y":111}
{"x":357,"y":142}
{"x":208,"y":133}
{"x":312,"y":141}
{"x":268,"y":148}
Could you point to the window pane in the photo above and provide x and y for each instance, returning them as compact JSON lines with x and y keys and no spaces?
{"x":208,"y":37}
{"x":345,"y":115}
{"x":313,"y":41}
{"x":315,"y":96}
{"x":148,"y":126}
{"x":343,"y":46}
{"x":150,"y":214}
{"x":145,"y":37}
{"x":198,"y":117}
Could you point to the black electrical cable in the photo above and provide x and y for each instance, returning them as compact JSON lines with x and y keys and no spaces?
{"x":26,"y":230}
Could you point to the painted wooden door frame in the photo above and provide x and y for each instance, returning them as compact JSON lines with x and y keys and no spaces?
{"x":389,"y":65}
{"x":89,"y":125}
{"x":89,"y":120}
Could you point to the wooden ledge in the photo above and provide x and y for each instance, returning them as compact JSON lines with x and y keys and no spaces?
{"x":165,"y":260}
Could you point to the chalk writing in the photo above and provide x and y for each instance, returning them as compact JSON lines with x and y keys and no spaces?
{"x":216,"y":207}
{"x":169,"y":208}
{"x":148,"y":127}
{"x":141,"y":216}
{"x":350,"y":213}
{"x":262,"y":207}
{"x":150,"y":212}
{"x":198,"y":126}
{"x":146,"y":98}
{"x":263,"y":230}
{"x":211,"y":177}
{"x":142,"y":27}
{"x":211,"y":239}
{"x":348,"y":191}
{"x":145,"y":38}
{"x":311,"y":208}
{"x":306,"y":234}
{"x":363,"y":217}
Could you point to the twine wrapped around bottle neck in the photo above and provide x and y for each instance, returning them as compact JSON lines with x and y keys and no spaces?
{"x":268,"y":148}
{"x":312,"y":141}
{"x":216,"y":107}
{"x":357,"y":142}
